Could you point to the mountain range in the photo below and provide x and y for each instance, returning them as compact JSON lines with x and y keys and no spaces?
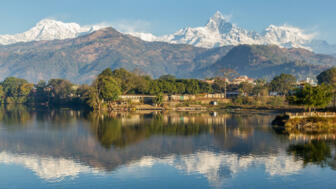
{"x":49,"y":29}
{"x":81,"y":59}
{"x":217,"y":32}
{"x":53,"y":49}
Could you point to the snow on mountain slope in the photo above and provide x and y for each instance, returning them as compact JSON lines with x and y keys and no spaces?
{"x":48,"y":29}
{"x":220,"y":32}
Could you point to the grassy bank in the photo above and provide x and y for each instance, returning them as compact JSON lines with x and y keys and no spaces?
{"x":309,"y":124}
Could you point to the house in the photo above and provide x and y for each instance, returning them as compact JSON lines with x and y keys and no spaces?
{"x":308,"y":80}
{"x":183,"y":97}
{"x":212,"y":81}
{"x":138,"y":98}
{"x":209,"y":81}
{"x":242,"y":79}
{"x":232,"y":94}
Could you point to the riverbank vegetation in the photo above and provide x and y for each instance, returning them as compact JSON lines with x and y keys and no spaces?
{"x":312,"y":98}
{"x":108,"y":87}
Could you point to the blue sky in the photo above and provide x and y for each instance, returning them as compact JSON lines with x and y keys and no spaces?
{"x":163,"y":17}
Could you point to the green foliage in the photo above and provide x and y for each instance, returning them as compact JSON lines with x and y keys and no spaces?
{"x":16,"y":90}
{"x":109,"y":88}
{"x":328,"y":77}
{"x":110,"y":84}
{"x":260,"y":100}
{"x":60,"y":88}
{"x":260,"y":88}
{"x":2,"y":95}
{"x":246,"y":88}
{"x":168,"y":77}
{"x":158,"y":99}
{"x":312,"y":97}
{"x":192,"y":86}
{"x":316,"y":152}
{"x":128,"y":81}
{"x":283,"y":83}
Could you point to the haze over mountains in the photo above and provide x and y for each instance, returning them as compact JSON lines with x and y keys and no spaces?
{"x":53,"y":49}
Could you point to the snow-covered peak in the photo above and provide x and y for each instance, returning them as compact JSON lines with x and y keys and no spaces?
{"x":281,"y":35}
{"x":49,"y":29}
{"x":218,"y":17}
{"x":219,"y":31}
{"x":220,"y":23}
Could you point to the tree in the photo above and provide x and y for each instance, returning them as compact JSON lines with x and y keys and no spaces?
{"x":316,"y":152}
{"x":2,"y":95}
{"x":260,"y":89}
{"x":94,"y":100}
{"x":227,"y":74}
{"x":168,"y":77}
{"x":283,"y":83}
{"x":329,"y":77}
{"x":128,"y":81}
{"x":158,"y":99}
{"x":246,"y":88}
{"x":105,"y":88}
{"x":41,"y":94}
{"x":25,"y":91}
{"x":312,"y":97}
{"x":83,"y":94}
{"x":192,"y":86}
{"x":180,"y":88}
{"x":60,"y":91}
{"x":15,"y":90}
{"x":109,"y":88}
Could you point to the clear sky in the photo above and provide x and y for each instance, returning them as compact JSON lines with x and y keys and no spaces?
{"x":167,"y":16}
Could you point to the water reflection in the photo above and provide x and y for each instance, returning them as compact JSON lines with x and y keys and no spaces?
{"x":47,"y":168}
{"x":61,"y":144}
{"x":315,"y":152}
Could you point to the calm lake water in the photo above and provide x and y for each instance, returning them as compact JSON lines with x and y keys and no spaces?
{"x":76,"y":149}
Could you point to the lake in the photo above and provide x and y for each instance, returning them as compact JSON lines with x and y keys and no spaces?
{"x":65,"y":148}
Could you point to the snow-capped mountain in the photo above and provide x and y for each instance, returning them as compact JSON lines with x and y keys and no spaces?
{"x":219,"y":31}
{"x":49,"y":29}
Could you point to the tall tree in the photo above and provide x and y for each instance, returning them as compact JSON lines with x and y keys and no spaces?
{"x":283,"y":83}
{"x":60,"y":91}
{"x":15,"y":90}
{"x":109,"y":88}
{"x":226,"y":75}
{"x":312,"y":96}
{"x":260,"y":88}
{"x":329,"y":77}
{"x":245,"y":88}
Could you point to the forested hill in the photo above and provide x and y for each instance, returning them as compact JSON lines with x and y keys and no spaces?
{"x":81,"y":59}
{"x":258,"y":61}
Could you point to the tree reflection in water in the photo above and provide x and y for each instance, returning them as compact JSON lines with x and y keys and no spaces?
{"x":14,"y":115}
{"x":218,"y":146}
{"x":315,"y":152}
{"x":121,"y":130}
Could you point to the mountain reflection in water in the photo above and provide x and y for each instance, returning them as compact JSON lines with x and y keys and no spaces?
{"x":62,"y":144}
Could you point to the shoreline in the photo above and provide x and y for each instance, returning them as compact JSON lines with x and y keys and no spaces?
{"x":307,"y":122}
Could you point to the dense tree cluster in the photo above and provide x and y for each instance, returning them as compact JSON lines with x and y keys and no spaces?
{"x":312,"y":96}
{"x":55,"y":92}
{"x":106,"y":89}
